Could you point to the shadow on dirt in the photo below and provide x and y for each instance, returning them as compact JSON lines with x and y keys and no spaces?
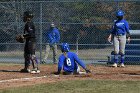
{"x":9,"y":71}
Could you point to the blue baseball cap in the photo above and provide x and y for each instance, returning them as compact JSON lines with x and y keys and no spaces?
{"x":119,"y":13}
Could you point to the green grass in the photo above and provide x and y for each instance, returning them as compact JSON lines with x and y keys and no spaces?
{"x":80,"y":86}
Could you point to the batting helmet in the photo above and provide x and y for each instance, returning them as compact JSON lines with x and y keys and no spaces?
{"x":26,"y":15}
{"x":119,"y":13}
{"x":65,"y":47}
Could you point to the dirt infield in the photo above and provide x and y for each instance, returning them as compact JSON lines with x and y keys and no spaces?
{"x":10,"y":75}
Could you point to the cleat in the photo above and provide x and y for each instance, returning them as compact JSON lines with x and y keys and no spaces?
{"x":25,"y":70}
{"x":35,"y":71}
{"x":122,"y":65}
{"x":114,"y":65}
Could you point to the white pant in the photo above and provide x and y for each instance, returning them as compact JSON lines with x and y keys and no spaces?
{"x":47,"y":51}
{"x":119,"y":44}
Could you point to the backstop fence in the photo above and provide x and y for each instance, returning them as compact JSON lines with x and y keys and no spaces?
{"x":84,"y":24}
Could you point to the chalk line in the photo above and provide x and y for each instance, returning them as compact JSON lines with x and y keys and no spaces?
{"x":20,"y":79}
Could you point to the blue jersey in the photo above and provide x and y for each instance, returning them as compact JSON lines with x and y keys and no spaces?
{"x":120,"y":27}
{"x":69,"y":63}
{"x":52,"y":36}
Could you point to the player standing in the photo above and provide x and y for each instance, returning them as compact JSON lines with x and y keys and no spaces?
{"x":120,"y":31}
{"x":69,"y":62}
{"x":30,"y":44}
{"x":52,"y":37}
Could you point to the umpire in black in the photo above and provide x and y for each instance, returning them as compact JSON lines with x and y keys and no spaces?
{"x":30,"y":43}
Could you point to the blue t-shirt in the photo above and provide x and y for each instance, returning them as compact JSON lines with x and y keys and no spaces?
{"x":69,"y":63}
{"x":120,"y":27}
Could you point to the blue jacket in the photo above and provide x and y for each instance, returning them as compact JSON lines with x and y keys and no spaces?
{"x":52,"y":36}
{"x":70,"y":63}
{"x":120,"y":27}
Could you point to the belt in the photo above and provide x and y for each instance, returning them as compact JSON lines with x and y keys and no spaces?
{"x":120,"y":35}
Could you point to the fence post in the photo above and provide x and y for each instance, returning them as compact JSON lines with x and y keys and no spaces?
{"x":40,"y":42}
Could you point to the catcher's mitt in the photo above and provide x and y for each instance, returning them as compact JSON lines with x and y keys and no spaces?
{"x":20,"y":38}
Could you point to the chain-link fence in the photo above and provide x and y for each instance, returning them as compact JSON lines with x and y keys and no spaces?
{"x":85,"y":25}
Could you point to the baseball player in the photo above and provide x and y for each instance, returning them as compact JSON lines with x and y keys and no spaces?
{"x":119,"y":32}
{"x":69,"y":62}
{"x":30,"y":43}
{"x":52,"y":37}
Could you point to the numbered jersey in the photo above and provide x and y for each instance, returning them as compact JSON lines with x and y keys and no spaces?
{"x":69,"y":63}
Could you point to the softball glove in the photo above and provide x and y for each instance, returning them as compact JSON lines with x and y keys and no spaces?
{"x":20,"y":38}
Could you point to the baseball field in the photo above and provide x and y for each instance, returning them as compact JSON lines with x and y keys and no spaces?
{"x":103,"y":79}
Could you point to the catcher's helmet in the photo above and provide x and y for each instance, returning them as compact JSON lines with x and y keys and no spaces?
{"x":119,"y":13}
{"x":26,"y":15}
{"x":65,"y":47}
